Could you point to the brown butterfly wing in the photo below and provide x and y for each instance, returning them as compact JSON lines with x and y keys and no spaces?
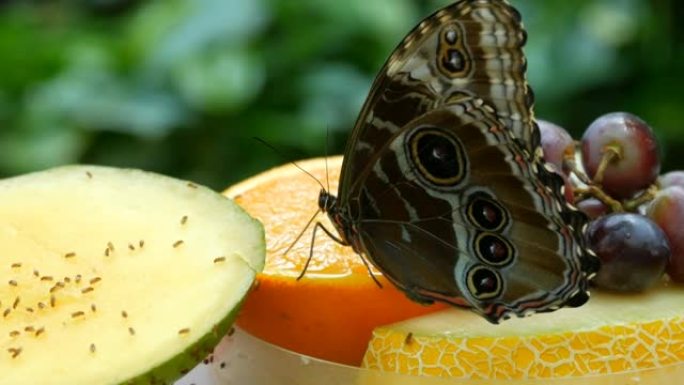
{"x":451,"y":206}
{"x":470,"y":48}
{"x":480,"y":224}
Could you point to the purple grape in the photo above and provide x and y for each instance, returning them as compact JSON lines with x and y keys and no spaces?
{"x":633,"y":251}
{"x":593,"y":207}
{"x":667,"y":210}
{"x":638,"y":164}
{"x":555,"y":141}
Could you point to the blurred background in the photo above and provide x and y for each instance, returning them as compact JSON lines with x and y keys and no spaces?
{"x":181,"y":87}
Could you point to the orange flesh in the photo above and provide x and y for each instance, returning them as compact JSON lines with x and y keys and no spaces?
{"x":332,"y":311}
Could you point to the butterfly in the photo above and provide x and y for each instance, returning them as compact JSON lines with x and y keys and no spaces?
{"x":443,"y":185}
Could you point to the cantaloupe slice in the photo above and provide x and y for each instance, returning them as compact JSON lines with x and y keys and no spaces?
{"x":114,"y":276}
{"x":611,"y":334}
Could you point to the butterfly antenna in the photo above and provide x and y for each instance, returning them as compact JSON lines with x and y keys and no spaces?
{"x":292,"y":162}
{"x":327,"y":144}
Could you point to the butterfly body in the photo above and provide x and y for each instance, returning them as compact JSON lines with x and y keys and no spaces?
{"x":443,"y":185}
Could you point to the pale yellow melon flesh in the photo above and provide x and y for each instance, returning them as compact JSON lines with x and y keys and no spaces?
{"x":110,"y":276}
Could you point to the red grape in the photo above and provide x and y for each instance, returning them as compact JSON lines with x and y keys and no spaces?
{"x":638,"y":164}
{"x":556,"y":142}
{"x":672,"y":178}
{"x":633,"y":251}
{"x":667,"y":210}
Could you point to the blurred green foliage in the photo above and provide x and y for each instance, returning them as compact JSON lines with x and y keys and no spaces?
{"x":182,"y":86}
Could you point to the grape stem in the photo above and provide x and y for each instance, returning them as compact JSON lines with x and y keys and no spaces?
{"x":610,"y":153}
{"x":593,"y":187}
{"x":646,"y":196}
{"x":598,"y":193}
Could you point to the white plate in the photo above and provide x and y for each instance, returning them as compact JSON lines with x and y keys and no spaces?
{"x":201,"y":375}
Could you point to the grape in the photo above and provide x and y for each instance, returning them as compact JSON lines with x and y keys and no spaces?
{"x":633,"y":251}
{"x":667,"y":210}
{"x":593,"y":207}
{"x":672,"y":178}
{"x":569,"y":192}
{"x":556,"y":142}
{"x":639,"y":163}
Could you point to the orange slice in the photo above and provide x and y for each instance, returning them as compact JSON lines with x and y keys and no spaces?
{"x":610,"y":334}
{"x":331,"y":312}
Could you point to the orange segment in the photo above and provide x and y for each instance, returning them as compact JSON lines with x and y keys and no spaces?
{"x":610,"y":334}
{"x":331,"y":312}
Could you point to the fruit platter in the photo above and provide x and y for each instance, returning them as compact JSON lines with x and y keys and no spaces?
{"x":458,"y":240}
{"x":624,"y":337}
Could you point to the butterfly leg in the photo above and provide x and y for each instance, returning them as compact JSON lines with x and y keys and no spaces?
{"x":341,"y":242}
{"x":313,"y":239}
{"x":365,"y":263}
{"x":330,"y":234}
{"x":345,"y":243}
{"x":301,"y":233}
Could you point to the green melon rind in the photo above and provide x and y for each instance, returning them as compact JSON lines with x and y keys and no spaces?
{"x":183,"y":362}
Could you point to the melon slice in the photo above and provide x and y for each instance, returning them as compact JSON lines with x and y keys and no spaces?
{"x":112,"y":276}
{"x":611,"y":334}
